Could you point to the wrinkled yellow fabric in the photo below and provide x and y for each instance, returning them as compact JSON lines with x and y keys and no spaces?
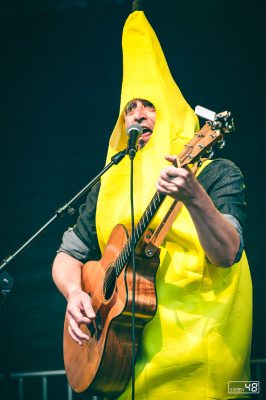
{"x":199,"y":338}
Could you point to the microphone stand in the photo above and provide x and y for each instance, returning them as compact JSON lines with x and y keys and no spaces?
{"x":132,"y":153}
{"x":6,"y":280}
{"x":64,"y":209}
{"x":133,"y":131}
{"x":133,"y":361}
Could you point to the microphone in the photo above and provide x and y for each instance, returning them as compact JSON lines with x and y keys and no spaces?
{"x":133,"y":131}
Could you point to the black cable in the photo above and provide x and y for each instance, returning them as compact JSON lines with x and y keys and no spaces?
{"x":134,"y":275}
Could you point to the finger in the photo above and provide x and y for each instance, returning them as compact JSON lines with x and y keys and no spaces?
{"x":74,"y":337}
{"x":80,"y":335}
{"x":169,"y":173}
{"x":87,"y":308}
{"x":166,"y":184}
{"x":172,"y":171}
{"x":178,"y":181}
{"x":170,"y":158}
{"x":85,"y":320}
{"x":166,"y":188}
{"x":77,"y":315}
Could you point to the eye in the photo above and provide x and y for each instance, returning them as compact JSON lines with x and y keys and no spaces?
{"x":130,"y":106}
{"x":148,"y":104}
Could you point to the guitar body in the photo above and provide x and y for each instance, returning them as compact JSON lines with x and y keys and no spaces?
{"x":102,"y":366}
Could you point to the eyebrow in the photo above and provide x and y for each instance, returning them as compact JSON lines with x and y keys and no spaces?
{"x":143,"y":101}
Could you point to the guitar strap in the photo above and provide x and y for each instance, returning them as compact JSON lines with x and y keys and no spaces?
{"x":155,"y":239}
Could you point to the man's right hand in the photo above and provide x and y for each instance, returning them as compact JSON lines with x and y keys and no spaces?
{"x":67,"y":277}
{"x":79,"y":311}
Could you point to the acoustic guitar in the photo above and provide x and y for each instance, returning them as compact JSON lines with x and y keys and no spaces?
{"x":102,"y":366}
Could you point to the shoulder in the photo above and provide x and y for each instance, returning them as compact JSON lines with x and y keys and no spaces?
{"x":220,"y":170}
{"x":221,"y":165}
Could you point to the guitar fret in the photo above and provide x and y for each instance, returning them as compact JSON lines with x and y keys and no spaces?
{"x":121,"y":262}
{"x":124,"y":257}
{"x":138,"y":232}
{"x":140,"y":228}
{"x":147,"y":218}
{"x":125,"y":253}
{"x":117,"y":268}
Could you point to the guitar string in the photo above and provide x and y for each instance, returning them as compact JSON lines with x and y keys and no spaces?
{"x":124,"y":255}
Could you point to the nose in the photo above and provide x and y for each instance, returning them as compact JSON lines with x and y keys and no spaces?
{"x":139,"y":114}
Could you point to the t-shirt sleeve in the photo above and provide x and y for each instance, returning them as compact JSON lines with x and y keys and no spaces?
{"x":81,"y":241}
{"x":224,"y":183}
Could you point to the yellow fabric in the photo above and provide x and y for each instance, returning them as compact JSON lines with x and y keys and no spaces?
{"x":199,"y":338}
{"x":147,"y":76}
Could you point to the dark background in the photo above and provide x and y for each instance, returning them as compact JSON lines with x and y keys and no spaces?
{"x":60,"y":80}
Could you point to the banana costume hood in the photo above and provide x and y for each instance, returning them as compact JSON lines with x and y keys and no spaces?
{"x":145,"y":75}
{"x":199,"y":338}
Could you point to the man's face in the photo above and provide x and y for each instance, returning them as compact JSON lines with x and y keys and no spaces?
{"x":141,"y":112}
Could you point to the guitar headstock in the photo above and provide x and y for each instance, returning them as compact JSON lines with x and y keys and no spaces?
{"x":213,"y":131}
{"x":224,"y":121}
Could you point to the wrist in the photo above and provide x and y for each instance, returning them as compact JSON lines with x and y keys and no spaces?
{"x":72,"y":290}
{"x":197,"y":199}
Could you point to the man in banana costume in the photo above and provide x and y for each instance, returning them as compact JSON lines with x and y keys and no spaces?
{"x":200,"y":336}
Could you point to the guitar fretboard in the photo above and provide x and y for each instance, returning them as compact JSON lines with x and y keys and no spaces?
{"x":142,"y":225}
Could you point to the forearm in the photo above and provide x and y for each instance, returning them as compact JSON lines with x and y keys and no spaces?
{"x":66,"y":273}
{"x":218,"y":237}
{"x":67,"y":277}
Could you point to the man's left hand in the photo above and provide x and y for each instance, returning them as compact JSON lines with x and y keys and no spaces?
{"x":179,"y":183}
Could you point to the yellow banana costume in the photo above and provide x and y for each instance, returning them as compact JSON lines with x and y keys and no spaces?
{"x":200,"y":336}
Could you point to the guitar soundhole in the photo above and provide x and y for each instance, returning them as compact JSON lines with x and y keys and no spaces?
{"x":109,"y":283}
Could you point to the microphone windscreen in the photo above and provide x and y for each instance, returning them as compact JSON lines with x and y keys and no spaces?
{"x":134,"y":127}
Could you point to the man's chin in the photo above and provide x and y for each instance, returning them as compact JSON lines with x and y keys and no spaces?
{"x":141,"y":144}
{"x":144,"y":139}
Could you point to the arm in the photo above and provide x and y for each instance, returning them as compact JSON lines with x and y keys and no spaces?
{"x":66,"y":274}
{"x":78,"y":246}
{"x":217,"y":235}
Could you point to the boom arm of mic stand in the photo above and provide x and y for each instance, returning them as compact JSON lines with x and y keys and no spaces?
{"x":62,"y":210}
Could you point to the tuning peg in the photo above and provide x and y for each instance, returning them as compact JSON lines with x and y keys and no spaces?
{"x":230,"y":127}
{"x":210,"y":154}
{"x":199,"y":163}
{"x":221,"y":144}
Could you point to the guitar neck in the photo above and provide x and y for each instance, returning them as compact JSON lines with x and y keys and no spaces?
{"x":142,"y":225}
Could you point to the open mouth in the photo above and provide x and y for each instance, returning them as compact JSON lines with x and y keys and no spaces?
{"x":144,"y":137}
{"x":146,"y":130}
